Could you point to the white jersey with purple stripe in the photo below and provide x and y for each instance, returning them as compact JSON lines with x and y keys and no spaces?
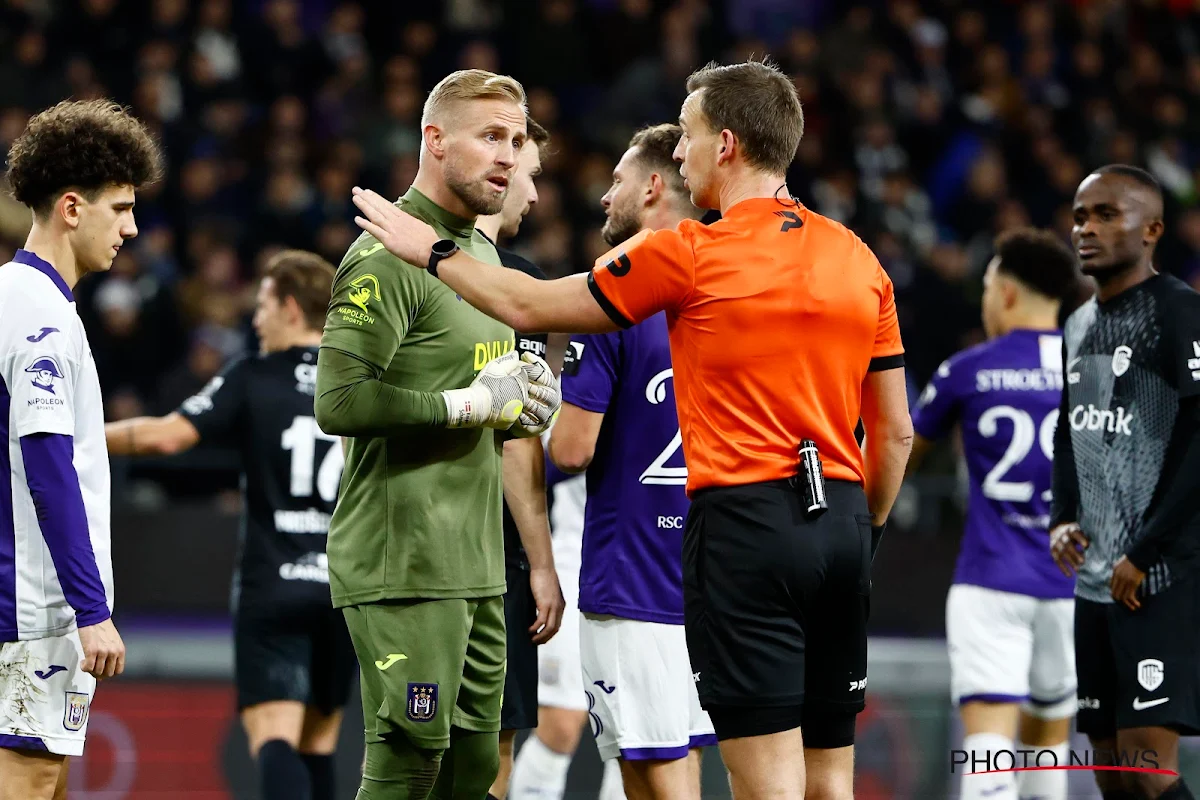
{"x":636,"y":503}
{"x":55,"y":557}
{"x":1005,"y":395}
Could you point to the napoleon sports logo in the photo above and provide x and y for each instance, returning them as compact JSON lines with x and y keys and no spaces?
{"x":364,"y":290}
{"x":360,"y":291}
{"x":45,"y":371}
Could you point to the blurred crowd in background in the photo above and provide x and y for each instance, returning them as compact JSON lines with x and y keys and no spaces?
{"x":930,"y":127}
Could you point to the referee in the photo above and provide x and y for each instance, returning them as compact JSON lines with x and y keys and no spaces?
{"x":1126,"y":477}
{"x":782,"y":328}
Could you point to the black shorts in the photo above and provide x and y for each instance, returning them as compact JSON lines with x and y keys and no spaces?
{"x":520,"y":708}
{"x":776,"y":605}
{"x":298,"y":652}
{"x":1140,"y":668}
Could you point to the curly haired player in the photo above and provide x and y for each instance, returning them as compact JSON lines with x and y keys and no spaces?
{"x":76,"y":166}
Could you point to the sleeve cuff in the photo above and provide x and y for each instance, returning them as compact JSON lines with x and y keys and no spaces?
{"x":587,"y":404}
{"x":611,"y":310}
{"x":880,"y":363}
{"x":84,"y":619}
{"x":1143,"y":556}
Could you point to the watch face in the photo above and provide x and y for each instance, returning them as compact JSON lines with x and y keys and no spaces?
{"x":444,"y":247}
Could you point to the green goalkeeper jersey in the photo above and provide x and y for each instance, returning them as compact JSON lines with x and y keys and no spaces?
{"x":419,"y":508}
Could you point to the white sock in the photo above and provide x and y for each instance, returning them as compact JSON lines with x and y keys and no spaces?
{"x":611,"y":787}
{"x":1044,"y":784}
{"x":983,"y":749}
{"x":538,"y":772}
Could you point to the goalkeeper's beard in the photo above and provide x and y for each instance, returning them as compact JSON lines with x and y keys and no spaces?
{"x":475,"y":193}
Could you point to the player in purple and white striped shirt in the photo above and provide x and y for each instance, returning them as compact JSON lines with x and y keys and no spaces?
{"x":76,"y":167}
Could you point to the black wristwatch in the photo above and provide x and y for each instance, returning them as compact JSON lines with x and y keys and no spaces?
{"x":442,"y":248}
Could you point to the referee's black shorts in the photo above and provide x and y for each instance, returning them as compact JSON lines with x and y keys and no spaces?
{"x":776,"y":610}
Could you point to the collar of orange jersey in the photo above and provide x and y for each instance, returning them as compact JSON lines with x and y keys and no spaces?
{"x":763,"y":205}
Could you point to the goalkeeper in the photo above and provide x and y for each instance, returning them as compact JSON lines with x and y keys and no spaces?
{"x":426,"y":389}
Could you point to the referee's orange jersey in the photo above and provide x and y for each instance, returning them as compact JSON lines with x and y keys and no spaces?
{"x":776,"y":314}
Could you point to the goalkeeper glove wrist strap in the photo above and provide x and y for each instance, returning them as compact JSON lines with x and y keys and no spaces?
{"x":462,"y":408}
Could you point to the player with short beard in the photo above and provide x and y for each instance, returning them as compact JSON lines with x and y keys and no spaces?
{"x":619,"y":423}
{"x":416,"y":545}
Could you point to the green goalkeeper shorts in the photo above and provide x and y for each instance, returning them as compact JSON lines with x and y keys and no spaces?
{"x":429,"y":664}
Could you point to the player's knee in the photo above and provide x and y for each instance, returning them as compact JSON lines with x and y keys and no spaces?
{"x":828,"y":787}
{"x":560,"y":729}
{"x":395,"y":769}
{"x":477,"y":771}
{"x":321,"y":733}
{"x":506,"y":744}
{"x":470,"y":766}
{"x":736,"y":722}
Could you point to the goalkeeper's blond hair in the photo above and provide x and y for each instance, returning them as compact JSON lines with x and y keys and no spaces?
{"x":469,"y":84}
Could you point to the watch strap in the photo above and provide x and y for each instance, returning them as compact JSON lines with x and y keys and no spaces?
{"x":443,"y":248}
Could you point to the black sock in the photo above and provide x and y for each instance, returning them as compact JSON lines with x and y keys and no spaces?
{"x":281,"y":773}
{"x":320,"y":770}
{"x":1177,"y":791}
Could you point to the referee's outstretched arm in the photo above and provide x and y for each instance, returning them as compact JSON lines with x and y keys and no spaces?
{"x":566,"y":305}
{"x":889,"y":439}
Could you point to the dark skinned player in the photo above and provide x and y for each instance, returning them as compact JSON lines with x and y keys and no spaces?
{"x":1126,"y":483}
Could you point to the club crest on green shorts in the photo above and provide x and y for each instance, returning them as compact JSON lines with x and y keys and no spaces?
{"x":422,"y":701}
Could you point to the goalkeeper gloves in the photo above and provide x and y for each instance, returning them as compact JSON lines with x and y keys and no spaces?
{"x":495,"y":399}
{"x":545,"y":398}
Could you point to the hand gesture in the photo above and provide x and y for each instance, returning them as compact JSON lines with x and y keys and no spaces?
{"x":403,"y":235}
{"x":1067,"y":544}
{"x":495,"y":399}
{"x":545,"y":398}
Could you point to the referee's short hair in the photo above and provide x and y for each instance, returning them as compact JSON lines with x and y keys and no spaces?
{"x":1039,"y":260}
{"x":759,"y":104}
{"x":307,"y":278}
